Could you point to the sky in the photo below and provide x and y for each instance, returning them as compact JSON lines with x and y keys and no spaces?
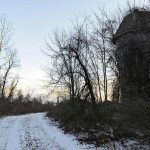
{"x":33,"y":21}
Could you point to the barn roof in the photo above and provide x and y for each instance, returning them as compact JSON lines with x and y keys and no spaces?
{"x":133,"y":22}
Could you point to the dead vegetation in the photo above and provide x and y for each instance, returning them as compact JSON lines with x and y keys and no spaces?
{"x":111,"y":122}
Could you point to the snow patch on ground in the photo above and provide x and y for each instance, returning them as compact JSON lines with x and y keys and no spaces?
{"x":34,"y":132}
{"x":37,"y":132}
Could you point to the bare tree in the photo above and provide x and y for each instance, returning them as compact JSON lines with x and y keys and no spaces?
{"x":10,"y":62}
{"x":12,"y":88}
{"x":72,"y":63}
{"x":8,"y":59}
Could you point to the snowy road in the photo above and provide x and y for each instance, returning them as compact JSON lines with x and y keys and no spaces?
{"x":34,"y":132}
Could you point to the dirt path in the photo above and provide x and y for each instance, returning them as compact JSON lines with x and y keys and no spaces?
{"x":34,"y":132}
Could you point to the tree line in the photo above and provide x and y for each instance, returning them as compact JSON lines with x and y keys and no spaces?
{"x":83,"y":59}
{"x":12,"y":100}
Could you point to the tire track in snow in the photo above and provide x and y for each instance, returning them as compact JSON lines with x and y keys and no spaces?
{"x":34,"y":137}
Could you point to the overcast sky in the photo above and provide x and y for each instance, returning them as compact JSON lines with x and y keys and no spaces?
{"x":33,"y":20}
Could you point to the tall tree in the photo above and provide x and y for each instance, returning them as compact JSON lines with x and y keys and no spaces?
{"x":8,"y":60}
